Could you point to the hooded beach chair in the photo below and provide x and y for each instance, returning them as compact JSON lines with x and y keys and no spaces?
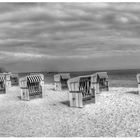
{"x":14,"y":79}
{"x":5,"y":82}
{"x":32,"y":86}
{"x":61,"y":81}
{"x":138,"y":82}
{"x":86,"y":87}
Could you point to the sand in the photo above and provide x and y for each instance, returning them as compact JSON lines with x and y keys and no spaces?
{"x":116,"y":113}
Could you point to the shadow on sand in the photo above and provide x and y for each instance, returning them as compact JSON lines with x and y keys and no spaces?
{"x":85,"y":102}
{"x":65,"y":103}
{"x":19,"y":97}
{"x":123,"y":85}
{"x":132,"y":92}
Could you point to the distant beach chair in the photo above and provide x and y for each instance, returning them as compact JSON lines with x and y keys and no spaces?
{"x":86,"y":87}
{"x":61,"y":81}
{"x":138,"y":81}
{"x":102,"y":79}
{"x":14,"y":79}
{"x":31,"y":86}
{"x":5,"y":82}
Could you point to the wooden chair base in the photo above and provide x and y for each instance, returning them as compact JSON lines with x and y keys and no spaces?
{"x":77,"y":100}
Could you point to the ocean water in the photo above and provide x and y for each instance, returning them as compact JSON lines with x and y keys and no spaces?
{"x":117,"y":78}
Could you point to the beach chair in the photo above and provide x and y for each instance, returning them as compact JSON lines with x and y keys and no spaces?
{"x":102,"y":79}
{"x":138,"y":82}
{"x":60,"y":81}
{"x":83,"y":88}
{"x":5,"y":82}
{"x":32,"y":86}
{"x":14,"y":79}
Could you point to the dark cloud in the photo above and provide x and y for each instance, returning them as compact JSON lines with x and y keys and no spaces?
{"x":69,"y":36}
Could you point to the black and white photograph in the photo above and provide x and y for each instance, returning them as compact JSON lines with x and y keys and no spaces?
{"x":69,"y":69}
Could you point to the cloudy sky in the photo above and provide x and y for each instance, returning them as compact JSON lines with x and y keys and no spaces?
{"x":69,"y":36}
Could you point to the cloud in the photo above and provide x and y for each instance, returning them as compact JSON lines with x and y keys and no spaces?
{"x":51,"y":32}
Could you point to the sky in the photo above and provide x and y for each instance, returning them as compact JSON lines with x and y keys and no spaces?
{"x":69,"y":36}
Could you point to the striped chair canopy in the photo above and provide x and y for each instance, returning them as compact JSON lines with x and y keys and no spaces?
{"x":2,"y":78}
{"x":34,"y":78}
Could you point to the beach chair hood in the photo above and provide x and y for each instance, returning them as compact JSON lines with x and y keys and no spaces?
{"x":64,"y":76}
{"x":73,"y":83}
{"x":31,"y":79}
{"x":102,"y":75}
{"x":2,"y":77}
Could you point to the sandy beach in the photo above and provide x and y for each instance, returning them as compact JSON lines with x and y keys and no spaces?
{"x":116,"y":113}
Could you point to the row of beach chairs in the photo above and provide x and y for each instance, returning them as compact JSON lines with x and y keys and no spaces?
{"x":81,"y":88}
